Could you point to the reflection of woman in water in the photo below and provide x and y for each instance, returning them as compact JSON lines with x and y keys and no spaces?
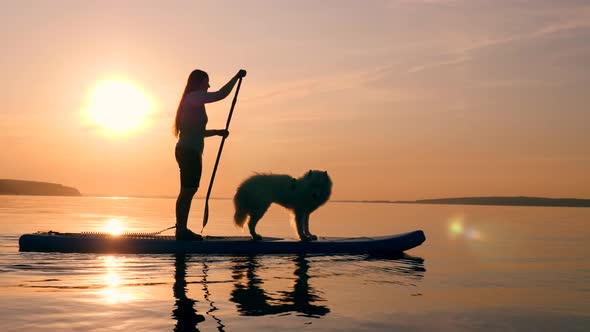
{"x":189,"y":127}
{"x":184,"y":311}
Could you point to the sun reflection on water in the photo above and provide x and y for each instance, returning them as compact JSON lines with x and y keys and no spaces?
{"x":113,"y":292}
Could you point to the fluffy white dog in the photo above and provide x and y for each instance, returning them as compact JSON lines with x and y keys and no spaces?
{"x":302,"y":196}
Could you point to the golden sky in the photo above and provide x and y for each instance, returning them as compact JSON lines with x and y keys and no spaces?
{"x":397,"y":99}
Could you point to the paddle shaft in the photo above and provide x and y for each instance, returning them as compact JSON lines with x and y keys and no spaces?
{"x":231,"y":111}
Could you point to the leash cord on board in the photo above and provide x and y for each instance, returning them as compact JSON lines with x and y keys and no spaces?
{"x":127,"y":234}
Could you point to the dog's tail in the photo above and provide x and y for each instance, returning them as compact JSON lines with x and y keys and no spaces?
{"x":241,"y":212}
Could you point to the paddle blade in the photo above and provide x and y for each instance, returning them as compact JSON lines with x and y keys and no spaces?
{"x":205,"y":216}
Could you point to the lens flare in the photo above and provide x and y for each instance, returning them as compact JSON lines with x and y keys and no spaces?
{"x":473,"y":234}
{"x":458,"y":229}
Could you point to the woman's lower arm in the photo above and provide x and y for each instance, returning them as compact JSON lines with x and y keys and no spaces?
{"x":221,"y":93}
{"x":226,"y":89}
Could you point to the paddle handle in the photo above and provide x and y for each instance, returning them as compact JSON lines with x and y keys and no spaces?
{"x":231,"y":111}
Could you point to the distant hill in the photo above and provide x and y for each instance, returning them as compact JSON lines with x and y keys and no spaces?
{"x":505,"y":201}
{"x":20,"y":187}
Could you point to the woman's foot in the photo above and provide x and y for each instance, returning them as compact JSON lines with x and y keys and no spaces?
{"x":188,"y":235}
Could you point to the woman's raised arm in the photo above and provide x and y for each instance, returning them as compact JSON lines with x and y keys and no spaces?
{"x":211,"y":97}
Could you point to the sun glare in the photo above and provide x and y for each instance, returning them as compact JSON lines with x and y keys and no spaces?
{"x":117,"y":106}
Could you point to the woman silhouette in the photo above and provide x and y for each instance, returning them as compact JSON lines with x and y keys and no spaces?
{"x":190,"y":128}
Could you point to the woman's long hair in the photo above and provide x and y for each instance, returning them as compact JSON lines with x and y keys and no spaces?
{"x":194,"y":81}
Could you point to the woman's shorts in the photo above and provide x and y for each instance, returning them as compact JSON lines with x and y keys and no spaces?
{"x":190,"y":164}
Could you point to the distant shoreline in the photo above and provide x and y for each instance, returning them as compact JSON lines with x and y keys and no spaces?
{"x":35,"y":188}
{"x":482,"y":201}
{"x":491,"y":201}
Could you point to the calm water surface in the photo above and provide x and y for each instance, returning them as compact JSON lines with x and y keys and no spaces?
{"x":481,"y":268}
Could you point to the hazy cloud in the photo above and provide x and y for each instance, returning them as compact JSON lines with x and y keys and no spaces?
{"x":330,"y":83}
{"x":575,"y":18}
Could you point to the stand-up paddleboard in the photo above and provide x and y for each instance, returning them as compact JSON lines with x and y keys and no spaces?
{"x":151,"y":244}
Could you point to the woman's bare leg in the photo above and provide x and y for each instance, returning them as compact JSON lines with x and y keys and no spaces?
{"x":183,"y":206}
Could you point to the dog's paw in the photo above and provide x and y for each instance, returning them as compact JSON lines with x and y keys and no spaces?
{"x":313,"y":237}
{"x":256,"y":237}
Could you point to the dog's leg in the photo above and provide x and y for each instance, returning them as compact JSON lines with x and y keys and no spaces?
{"x":300,"y":223}
{"x":306,"y":225}
{"x":306,"y":228}
{"x":256,"y":212}
{"x":254,"y":218}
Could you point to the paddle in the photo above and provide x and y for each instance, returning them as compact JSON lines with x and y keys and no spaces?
{"x":231,"y":111}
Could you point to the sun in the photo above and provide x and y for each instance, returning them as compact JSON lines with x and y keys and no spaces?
{"x":117,"y":106}
{"x":113,"y":226}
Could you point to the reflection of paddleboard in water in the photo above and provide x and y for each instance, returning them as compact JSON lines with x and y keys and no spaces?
{"x":142,"y":243}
